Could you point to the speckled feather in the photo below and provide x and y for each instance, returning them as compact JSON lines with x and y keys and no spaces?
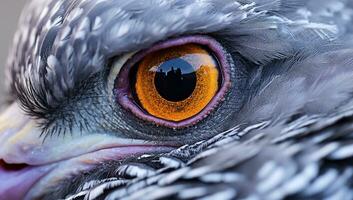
{"x":315,"y":163}
{"x":62,"y":43}
{"x":293,"y":138}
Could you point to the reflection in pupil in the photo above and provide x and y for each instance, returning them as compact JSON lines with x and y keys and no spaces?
{"x":175,"y":80}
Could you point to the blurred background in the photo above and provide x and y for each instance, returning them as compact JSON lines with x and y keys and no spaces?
{"x":9,"y":14}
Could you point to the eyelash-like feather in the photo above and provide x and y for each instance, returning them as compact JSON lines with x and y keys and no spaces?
{"x":73,"y":114}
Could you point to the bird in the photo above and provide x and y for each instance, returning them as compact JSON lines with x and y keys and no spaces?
{"x":277,"y":123}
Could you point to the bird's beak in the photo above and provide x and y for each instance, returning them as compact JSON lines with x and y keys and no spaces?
{"x":29,"y":165}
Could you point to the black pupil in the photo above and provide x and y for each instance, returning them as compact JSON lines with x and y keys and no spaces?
{"x":175,"y":80}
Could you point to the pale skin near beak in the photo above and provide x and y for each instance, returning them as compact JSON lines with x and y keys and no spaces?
{"x":48,"y":161}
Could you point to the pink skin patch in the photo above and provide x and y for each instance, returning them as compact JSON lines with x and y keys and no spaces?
{"x":27,"y":182}
{"x":16,"y":182}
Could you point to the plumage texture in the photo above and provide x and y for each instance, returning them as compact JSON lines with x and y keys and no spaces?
{"x":61,"y":43}
{"x":314,"y":163}
{"x":293,"y":136}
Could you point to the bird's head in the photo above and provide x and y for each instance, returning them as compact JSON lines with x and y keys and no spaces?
{"x":110,"y":92}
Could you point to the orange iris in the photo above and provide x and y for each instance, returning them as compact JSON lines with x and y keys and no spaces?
{"x":177,"y":83}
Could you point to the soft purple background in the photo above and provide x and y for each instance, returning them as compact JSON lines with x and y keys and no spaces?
{"x":9,"y":13}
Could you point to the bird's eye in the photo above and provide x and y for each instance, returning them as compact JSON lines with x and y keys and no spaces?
{"x":175,"y":83}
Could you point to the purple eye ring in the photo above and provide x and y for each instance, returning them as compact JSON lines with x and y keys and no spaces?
{"x":123,"y":89}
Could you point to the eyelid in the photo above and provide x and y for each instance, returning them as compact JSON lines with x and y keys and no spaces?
{"x":117,"y":65}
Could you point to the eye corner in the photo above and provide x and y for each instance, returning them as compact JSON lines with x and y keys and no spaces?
{"x":125,"y":95}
